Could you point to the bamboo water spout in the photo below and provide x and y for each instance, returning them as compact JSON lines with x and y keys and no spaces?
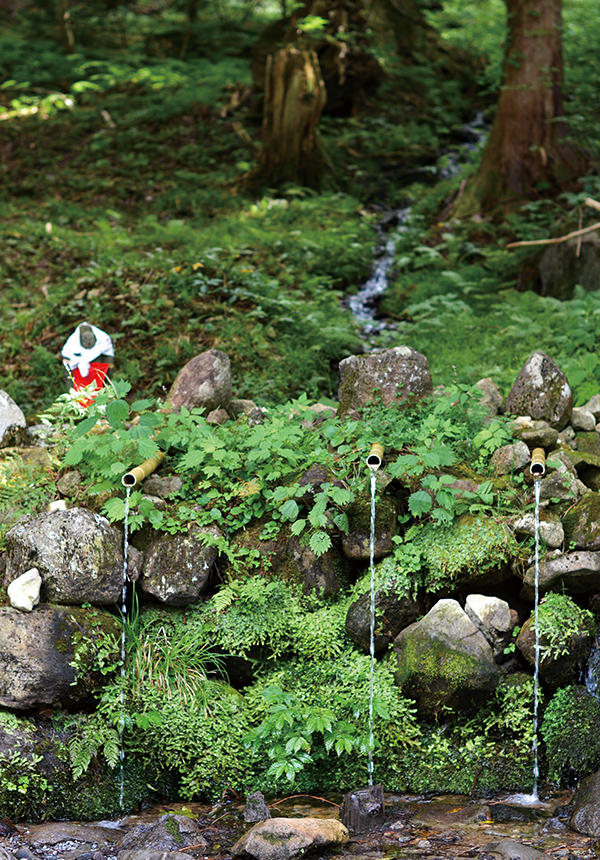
{"x":538,"y":463}
{"x":375,"y":457}
{"x":130,"y":479}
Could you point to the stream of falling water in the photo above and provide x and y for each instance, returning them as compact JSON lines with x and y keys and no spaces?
{"x":124,"y":615}
{"x":372,"y":629}
{"x":536,"y":676}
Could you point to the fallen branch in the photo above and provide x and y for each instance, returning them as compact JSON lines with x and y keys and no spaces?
{"x":559,"y":239}
{"x":589,"y":201}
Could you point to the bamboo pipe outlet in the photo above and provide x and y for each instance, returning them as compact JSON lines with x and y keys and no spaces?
{"x":538,"y":462}
{"x":130,"y":479}
{"x":375,"y":457}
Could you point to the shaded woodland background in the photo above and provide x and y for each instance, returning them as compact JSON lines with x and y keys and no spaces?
{"x":198,"y":174}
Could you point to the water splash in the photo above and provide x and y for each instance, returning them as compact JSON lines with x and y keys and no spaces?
{"x":372,"y":630}
{"x":123,"y":654}
{"x":536,"y":675}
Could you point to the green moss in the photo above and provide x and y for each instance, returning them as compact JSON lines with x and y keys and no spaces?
{"x":571,"y":731}
{"x":470,"y":547}
{"x":173,"y":827}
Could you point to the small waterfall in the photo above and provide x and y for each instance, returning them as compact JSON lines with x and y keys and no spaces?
{"x":372,"y":628}
{"x":124,"y":616}
{"x":362,"y":304}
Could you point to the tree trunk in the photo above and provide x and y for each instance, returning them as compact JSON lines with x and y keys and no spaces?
{"x":294,"y":99}
{"x":64,"y":26}
{"x":527,"y":152}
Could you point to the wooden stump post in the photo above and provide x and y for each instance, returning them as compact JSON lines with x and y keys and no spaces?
{"x":363,"y":809}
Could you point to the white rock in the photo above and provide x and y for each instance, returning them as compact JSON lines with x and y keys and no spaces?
{"x":24,"y":591}
{"x":551,"y":533}
{"x":583,"y":419}
{"x":10,"y":416}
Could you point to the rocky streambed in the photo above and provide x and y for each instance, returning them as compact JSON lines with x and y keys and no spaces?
{"x":448,"y":827}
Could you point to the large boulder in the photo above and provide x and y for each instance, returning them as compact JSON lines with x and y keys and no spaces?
{"x":396,"y":375}
{"x":444,"y":662}
{"x":36,"y":651}
{"x":586,"y":815}
{"x":493,"y":617}
{"x":78,"y":554}
{"x":177,"y":566}
{"x":283,"y":838}
{"x":550,"y":528}
{"x":13,"y":427}
{"x":204,"y":382}
{"x":542,"y":391}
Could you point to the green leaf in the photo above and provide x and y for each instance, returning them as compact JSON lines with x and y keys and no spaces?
{"x":289,"y":510}
{"x":117,"y":411}
{"x":320,"y":543}
{"x":86,"y":425}
{"x":419,"y":503}
{"x":297,"y":527}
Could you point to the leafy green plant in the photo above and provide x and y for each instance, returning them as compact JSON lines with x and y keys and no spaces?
{"x":559,"y":619}
{"x":570,"y":732}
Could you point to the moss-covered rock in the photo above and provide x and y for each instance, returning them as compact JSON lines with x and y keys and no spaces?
{"x":444,"y":661}
{"x":582,"y":523}
{"x":356,"y":543}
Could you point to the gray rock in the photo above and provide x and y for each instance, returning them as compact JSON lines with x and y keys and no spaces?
{"x":318,"y":573}
{"x":151,"y":854}
{"x":561,"y":485}
{"x":69,"y":483}
{"x":282,"y":838}
{"x":551,"y":531}
{"x":217,"y":416}
{"x":444,"y":661}
{"x":204,"y":382}
{"x":493,"y":617}
{"x":536,"y":434}
{"x":177,"y":567}
{"x":396,"y":375}
{"x":511,"y":458}
{"x":241,"y":407}
{"x":542,"y":391}
{"x":36,"y":650}
{"x":78,"y":553}
{"x":593,"y":406}
{"x":164,"y":487}
{"x":510,"y":849}
{"x":53,"y":833}
{"x":492,"y":398}
{"x":586,"y":817}
{"x":169,"y":833}
{"x":575,"y":572}
{"x":24,"y":591}
{"x":13,"y":427}
{"x":582,"y":419}
{"x":392,"y":614}
{"x":256,"y":808}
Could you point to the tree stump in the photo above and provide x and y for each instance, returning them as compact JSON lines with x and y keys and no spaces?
{"x":363,"y":809}
{"x":294,"y":99}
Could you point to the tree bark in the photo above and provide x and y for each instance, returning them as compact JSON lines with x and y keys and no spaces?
{"x":527,"y":151}
{"x":294,"y":99}
{"x":64,"y":26}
